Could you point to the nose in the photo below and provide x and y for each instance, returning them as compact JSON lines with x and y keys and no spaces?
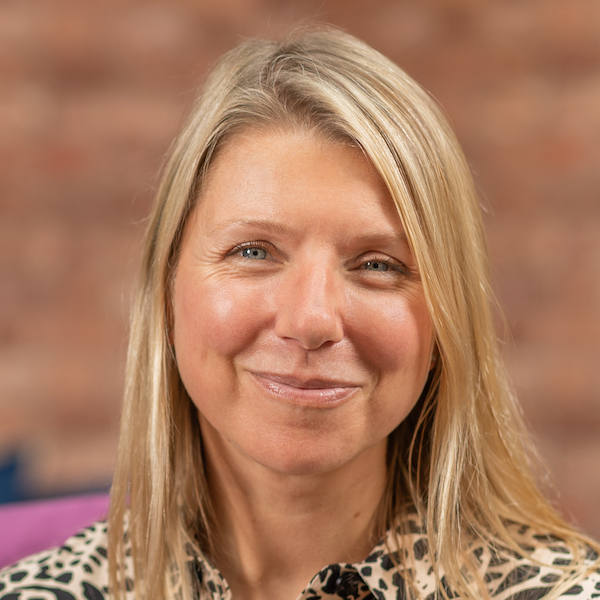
{"x":309,"y":307}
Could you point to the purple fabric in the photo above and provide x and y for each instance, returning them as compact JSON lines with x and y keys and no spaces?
{"x":30,"y":527}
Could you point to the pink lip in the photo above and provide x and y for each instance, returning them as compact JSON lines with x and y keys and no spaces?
{"x":314,"y":392}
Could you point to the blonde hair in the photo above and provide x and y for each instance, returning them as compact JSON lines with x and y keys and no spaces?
{"x":460,"y":459}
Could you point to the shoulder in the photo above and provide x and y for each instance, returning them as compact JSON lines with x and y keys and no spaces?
{"x":77,"y":569}
{"x":540,"y":571}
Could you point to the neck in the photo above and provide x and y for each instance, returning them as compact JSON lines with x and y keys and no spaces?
{"x":276,"y":531}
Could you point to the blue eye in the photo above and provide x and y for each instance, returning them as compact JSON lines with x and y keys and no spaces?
{"x":376,"y":265}
{"x":254,"y":253}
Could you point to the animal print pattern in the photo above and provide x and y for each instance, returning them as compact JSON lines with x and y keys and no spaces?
{"x":79,"y":570}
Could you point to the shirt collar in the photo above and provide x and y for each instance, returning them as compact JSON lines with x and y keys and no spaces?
{"x":376,"y":577}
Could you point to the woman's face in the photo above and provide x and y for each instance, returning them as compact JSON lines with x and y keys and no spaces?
{"x":300,"y":325}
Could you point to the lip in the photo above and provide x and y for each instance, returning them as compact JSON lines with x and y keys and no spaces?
{"x":310,"y":392}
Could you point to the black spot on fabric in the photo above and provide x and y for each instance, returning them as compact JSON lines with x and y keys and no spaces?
{"x":421,"y":548}
{"x":366,"y":571}
{"x":559,"y":549}
{"x":550,"y":578}
{"x":10,"y":597}
{"x":576,"y":589}
{"x":64,"y":578}
{"x":413,"y":527}
{"x":518,"y":575}
{"x":447,"y":588}
{"x":401,"y":594}
{"x":561,"y":561}
{"x":95,"y":559}
{"x":18,"y":575}
{"x":75,"y":562}
{"x":58,"y":564}
{"x":523,"y":529}
{"x":597,"y":586}
{"x":102,"y":551}
{"x":477,"y":554}
{"x":91,"y":592}
{"x":66,"y":549}
{"x":526,"y":548}
{"x":490,"y":576}
{"x":43,"y":574}
{"x":211,"y":586}
{"x":591,"y":554}
{"x":80,"y":534}
{"x":378,"y":594}
{"x":322,"y":575}
{"x":129,"y":584}
{"x":2,"y":586}
{"x":496,"y":559}
{"x":348,"y":585}
{"x":43,"y":560}
{"x":58,"y":593}
{"x":382,"y":584}
{"x":398,"y":581}
{"x":374,"y":557}
{"x":530,"y":594}
{"x":87,"y":568}
{"x":547,"y":538}
{"x":329,"y":577}
{"x":389,"y":561}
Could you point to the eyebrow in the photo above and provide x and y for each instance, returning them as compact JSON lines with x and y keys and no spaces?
{"x":382,"y":238}
{"x":265,"y":225}
{"x":366,"y":239}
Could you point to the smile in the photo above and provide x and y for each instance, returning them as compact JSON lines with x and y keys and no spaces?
{"x":311,"y":393}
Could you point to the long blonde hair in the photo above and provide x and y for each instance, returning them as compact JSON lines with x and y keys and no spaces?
{"x":460,"y":460}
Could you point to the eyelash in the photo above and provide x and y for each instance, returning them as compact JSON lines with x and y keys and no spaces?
{"x":237,"y":250}
{"x":392,"y":265}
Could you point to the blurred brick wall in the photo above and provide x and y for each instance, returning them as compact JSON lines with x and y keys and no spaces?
{"x":91,"y":93}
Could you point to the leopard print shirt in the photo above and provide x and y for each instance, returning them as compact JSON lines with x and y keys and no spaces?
{"x":79,"y":570}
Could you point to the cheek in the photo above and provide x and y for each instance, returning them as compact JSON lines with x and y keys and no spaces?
{"x":394,"y":335}
{"x":214,"y":319}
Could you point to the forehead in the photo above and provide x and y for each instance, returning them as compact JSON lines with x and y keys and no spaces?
{"x":293,"y":188}
{"x":257,"y":165}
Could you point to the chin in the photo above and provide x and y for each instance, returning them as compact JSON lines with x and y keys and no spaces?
{"x":304,"y":458}
{"x":302,"y":465}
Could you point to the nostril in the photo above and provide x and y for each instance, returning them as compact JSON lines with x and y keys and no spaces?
{"x":310,"y":304}
{"x":310,"y":324}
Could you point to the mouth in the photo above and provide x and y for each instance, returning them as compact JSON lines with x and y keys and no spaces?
{"x":309,"y":392}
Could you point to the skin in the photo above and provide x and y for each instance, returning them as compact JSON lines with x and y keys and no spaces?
{"x":303,"y":337}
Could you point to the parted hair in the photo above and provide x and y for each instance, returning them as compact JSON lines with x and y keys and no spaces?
{"x":461,"y":459}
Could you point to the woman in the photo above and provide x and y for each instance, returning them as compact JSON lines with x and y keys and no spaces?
{"x":313,"y":382}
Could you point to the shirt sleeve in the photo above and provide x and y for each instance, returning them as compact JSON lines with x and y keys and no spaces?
{"x":77,"y":570}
